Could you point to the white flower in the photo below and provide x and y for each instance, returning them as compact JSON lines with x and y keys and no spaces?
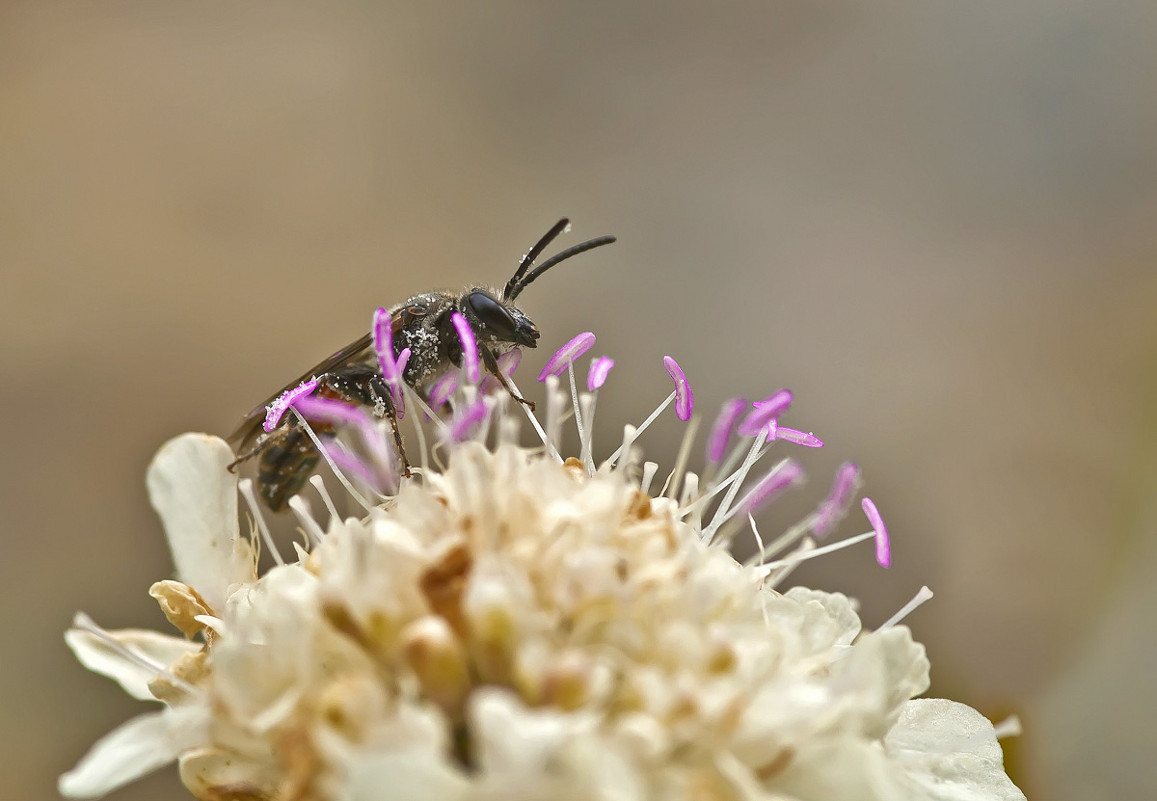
{"x":518,"y":627}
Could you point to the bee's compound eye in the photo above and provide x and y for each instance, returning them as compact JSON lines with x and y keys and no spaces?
{"x":492,"y":315}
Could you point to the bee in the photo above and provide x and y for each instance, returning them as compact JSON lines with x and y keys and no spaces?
{"x":287,"y":454}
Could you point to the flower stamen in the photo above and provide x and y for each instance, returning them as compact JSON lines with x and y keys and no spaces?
{"x":922,"y":595}
{"x":835,"y":507}
{"x":304,"y":514}
{"x":245,"y":487}
{"x":599,"y":370}
{"x":391,"y":368}
{"x":470,"y":367}
{"x":318,"y":484}
{"x":324,"y":451}
{"x":566,"y":355}
{"x":721,"y":428}
{"x":284,"y":401}
{"x":84,"y":623}
{"x":826,"y":549}
{"x":765,"y":412}
{"x":883,"y":544}
{"x":610,"y":460}
{"x":684,"y":397}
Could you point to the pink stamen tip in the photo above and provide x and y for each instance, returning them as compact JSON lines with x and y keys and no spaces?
{"x":349,"y":463}
{"x":443,"y":388}
{"x":396,"y":393}
{"x":684,"y":397}
{"x":507,"y":363}
{"x":384,"y":346}
{"x":567,"y":354}
{"x":469,"y":347}
{"x":600,"y":369}
{"x":764,"y":412}
{"x":721,"y":429}
{"x":468,"y":420}
{"x":334,"y":412}
{"x":781,"y":477}
{"x":883,"y":544}
{"x":807,"y":439}
{"x":836,"y":505}
{"x":279,"y":407}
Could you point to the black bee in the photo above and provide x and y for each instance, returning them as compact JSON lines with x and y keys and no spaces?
{"x":423,"y":324}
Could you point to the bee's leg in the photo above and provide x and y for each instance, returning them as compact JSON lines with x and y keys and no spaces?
{"x":380,"y":392}
{"x":249,"y":454}
{"x":399,"y":445}
{"x":392,"y":413}
{"x":491,"y":363}
{"x":360,"y":384}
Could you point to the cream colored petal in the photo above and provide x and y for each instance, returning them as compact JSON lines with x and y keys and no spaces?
{"x":104,"y":658}
{"x":845,"y":768}
{"x":196,"y":498}
{"x":181,"y":604}
{"x":837,"y":606}
{"x":220,"y":774}
{"x":137,"y":747}
{"x":890,"y":668}
{"x":950,"y":751}
{"x":405,"y":776}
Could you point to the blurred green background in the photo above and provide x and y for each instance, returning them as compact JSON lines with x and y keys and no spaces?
{"x":933,"y":221}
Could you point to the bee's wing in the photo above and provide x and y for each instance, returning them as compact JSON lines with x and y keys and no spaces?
{"x":250,"y":424}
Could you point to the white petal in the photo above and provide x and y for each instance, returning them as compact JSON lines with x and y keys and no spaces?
{"x":137,"y":747}
{"x":951,"y":751}
{"x":214,"y":772}
{"x":888,"y":668}
{"x":513,"y":739}
{"x":404,"y":776}
{"x":103,"y":658}
{"x":844,"y":768}
{"x":837,"y":606}
{"x":196,"y":498}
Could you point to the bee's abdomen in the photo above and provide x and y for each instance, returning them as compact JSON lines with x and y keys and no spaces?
{"x":285,"y":465}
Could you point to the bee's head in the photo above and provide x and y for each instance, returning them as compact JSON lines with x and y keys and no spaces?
{"x":496,"y":320}
{"x":493,"y":315}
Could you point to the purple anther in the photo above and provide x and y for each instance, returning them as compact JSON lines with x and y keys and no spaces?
{"x":764,"y":412}
{"x":396,"y":393}
{"x":805,"y":438}
{"x":839,"y":500}
{"x":684,"y":397}
{"x":443,"y":388}
{"x":600,"y":368}
{"x":348,"y":463}
{"x":384,"y":345}
{"x":782,"y":476}
{"x":721,"y":428}
{"x":469,"y":347}
{"x":883,"y":545}
{"x":467,"y":420}
{"x":567,"y":354}
{"x":327,"y":410}
{"x":281,"y":405}
{"x":507,"y":363}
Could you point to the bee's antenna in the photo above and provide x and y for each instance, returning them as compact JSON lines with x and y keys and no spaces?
{"x":511,"y":293}
{"x":533,"y":254}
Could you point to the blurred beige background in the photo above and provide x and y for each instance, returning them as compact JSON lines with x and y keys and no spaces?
{"x":934,"y":221}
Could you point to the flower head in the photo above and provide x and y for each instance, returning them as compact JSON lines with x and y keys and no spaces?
{"x":512,"y":624}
